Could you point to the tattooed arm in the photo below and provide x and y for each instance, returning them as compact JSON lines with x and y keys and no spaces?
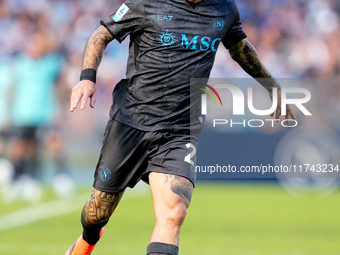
{"x":92,"y":57}
{"x":95,"y":48}
{"x":247,"y":57}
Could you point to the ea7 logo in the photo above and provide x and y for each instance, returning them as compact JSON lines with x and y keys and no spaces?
{"x":164,"y":17}
{"x":239,"y":101}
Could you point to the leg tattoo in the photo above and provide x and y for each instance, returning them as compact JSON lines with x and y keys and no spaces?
{"x":180,"y":186}
{"x":100,"y":206}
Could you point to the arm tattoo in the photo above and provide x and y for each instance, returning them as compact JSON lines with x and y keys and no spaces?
{"x":180,"y":186}
{"x":95,"y":48}
{"x":100,"y":206}
{"x":247,"y":57}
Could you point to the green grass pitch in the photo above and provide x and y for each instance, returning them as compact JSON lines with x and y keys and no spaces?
{"x":223,"y":219}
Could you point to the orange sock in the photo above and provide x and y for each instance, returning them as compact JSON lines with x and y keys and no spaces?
{"x":81,"y":247}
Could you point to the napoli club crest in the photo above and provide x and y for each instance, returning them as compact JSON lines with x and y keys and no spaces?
{"x":105,"y":174}
{"x":218,"y":23}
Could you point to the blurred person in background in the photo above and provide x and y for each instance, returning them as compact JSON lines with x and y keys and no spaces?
{"x":4,"y":101}
{"x":34,"y":108}
{"x":6,"y":167}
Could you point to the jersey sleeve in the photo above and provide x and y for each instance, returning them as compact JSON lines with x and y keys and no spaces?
{"x":129,"y":18}
{"x":235,"y":34}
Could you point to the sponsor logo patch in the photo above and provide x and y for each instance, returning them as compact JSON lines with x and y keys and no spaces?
{"x":120,"y":12}
{"x":167,"y":39}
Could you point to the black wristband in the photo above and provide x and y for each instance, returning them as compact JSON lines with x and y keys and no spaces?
{"x":88,"y":74}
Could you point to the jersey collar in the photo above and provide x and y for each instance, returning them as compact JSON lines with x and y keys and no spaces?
{"x":204,"y":3}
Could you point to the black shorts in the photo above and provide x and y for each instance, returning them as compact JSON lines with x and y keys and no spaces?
{"x":27,"y":133}
{"x":128,"y":155}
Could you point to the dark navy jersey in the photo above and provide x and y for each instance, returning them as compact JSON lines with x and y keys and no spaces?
{"x":171,"y":41}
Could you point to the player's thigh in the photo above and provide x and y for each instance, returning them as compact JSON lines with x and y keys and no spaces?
{"x":171,"y":194}
{"x":123,"y":158}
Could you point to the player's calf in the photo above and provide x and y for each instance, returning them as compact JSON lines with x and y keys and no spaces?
{"x":94,"y":217}
{"x":171,"y":195}
{"x":97,"y":212}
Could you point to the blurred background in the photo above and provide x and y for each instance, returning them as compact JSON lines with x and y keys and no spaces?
{"x":47,"y":154}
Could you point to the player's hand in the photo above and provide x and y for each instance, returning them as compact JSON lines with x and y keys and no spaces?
{"x":81,"y":92}
{"x":277,"y":113}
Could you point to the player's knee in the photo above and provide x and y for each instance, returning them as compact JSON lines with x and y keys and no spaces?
{"x":100,"y":207}
{"x":177,"y":215}
{"x":180,"y":213}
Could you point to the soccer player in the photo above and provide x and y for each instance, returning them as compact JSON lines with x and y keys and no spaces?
{"x":148,"y":133}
